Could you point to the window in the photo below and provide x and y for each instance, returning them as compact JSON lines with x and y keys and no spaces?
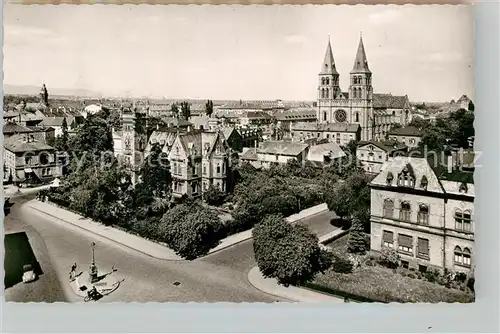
{"x":422,"y":268}
{"x":404,"y":213}
{"x":463,"y":221}
{"x":388,"y":239}
{"x":323,"y":80}
{"x":406,"y":178}
{"x":390,"y":177}
{"x":388,"y":210}
{"x":223,"y":167}
{"x":405,"y":264}
{"x":423,"y":248}
{"x":44,"y":159}
{"x":204,"y":169}
{"x":324,"y":115}
{"x":462,"y":258}
{"x":328,"y":135}
{"x":277,"y":157}
{"x":205,"y":187}
{"x":357,"y":117}
{"x":218,"y":168}
{"x":327,"y":81}
{"x":405,"y":244}
{"x":338,"y":140}
{"x":462,"y":188}
{"x":27,"y":159}
{"x":423,"y":214}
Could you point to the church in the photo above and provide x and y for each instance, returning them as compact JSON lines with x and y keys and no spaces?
{"x":376,"y":114}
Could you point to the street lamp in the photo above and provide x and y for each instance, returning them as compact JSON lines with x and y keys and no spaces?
{"x":93,"y":267}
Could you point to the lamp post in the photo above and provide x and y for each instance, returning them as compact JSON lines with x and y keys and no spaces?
{"x":93,"y":267}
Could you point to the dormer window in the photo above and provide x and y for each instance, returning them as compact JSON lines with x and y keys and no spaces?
{"x":390,"y":177}
{"x":406,"y":178}
{"x":424,"y":183}
{"x":463,"y":188}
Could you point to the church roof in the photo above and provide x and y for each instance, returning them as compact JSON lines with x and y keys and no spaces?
{"x":328,"y":66}
{"x":361,"y":62}
{"x":389,"y":101}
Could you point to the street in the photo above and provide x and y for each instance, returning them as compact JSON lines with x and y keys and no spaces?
{"x":220,"y":277}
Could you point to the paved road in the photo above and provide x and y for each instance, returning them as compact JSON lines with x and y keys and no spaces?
{"x":218,"y":277}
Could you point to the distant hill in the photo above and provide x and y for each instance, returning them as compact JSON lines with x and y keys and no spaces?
{"x":35,"y":90}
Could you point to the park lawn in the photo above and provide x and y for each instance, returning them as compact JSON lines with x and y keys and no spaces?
{"x":382,"y":284}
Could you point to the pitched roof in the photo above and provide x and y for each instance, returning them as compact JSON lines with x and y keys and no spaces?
{"x":330,"y":149}
{"x":256,"y":114}
{"x":291,"y":115}
{"x":361,"y":62}
{"x":249,"y":154}
{"x":406,"y":131}
{"x":328,"y":66}
{"x":18,"y":144}
{"x":53,"y":121}
{"x":14,"y":128}
{"x":282,"y":148}
{"x":389,"y":101}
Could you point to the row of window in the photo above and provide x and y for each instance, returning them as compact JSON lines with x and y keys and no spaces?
{"x":405,"y":246}
{"x":46,"y":171}
{"x":177,"y":168}
{"x":359,"y":80}
{"x":356,"y":116}
{"x":326,"y":81}
{"x":463,"y":220}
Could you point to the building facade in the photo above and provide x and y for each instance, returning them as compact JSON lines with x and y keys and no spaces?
{"x":373,"y":154}
{"x":425,"y":212}
{"x":374,"y":113}
{"x":409,"y":135}
{"x":29,"y":161}
{"x":339,"y":133}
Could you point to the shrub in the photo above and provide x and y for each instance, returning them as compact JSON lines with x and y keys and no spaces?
{"x":342,"y":265}
{"x":190,"y":229}
{"x":289,"y":253}
{"x":432,"y":275}
{"x":389,"y":258}
{"x":470,"y":283}
{"x":214,"y":196}
{"x":461,"y":277}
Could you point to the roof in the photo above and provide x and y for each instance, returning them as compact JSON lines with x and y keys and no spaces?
{"x":53,"y":121}
{"x":331,"y":127}
{"x":328,"y":66}
{"x":387,"y":145}
{"x":250,"y":154}
{"x":282,"y":148}
{"x":176,"y":121}
{"x":256,"y":114}
{"x":39,"y":128}
{"x":406,"y":131}
{"x":14,"y":128}
{"x":361,"y":62}
{"x":389,"y":101}
{"x":318,"y":152}
{"x":18,"y":144}
{"x":292,"y":115}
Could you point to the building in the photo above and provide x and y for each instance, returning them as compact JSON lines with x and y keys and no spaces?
{"x":57,"y":124}
{"x":373,"y":154}
{"x":270,"y":152}
{"x":324,"y":153}
{"x":376,"y":114}
{"x":408,"y":135}
{"x":340,"y":133}
{"x":287,"y":119}
{"x":11,"y":128}
{"x":45,"y":134}
{"x":29,"y":161}
{"x":424,"y":209}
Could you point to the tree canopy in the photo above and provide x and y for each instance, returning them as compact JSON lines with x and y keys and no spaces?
{"x":289,"y":253}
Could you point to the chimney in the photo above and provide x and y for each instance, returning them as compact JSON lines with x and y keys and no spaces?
{"x":157,"y":126}
{"x":449,"y":164}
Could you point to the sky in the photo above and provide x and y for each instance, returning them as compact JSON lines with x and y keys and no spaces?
{"x":238,"y":52}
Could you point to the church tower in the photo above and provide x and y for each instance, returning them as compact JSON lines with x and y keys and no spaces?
{"x":328,"y":85}
{"x":361,"y":92}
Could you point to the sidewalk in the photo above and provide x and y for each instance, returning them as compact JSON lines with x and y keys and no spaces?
{"x":134,"y":242}
{"x":13,"y":191}
{"x":295,"y":294}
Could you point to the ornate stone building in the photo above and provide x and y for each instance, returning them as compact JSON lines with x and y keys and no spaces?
{"x":375,"y":113}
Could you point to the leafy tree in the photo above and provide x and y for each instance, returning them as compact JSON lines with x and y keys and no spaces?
{"x":93,"y":137}
{"x":471,"y":106}
{"x":174,"y":109}
{"x":356,"y":240}
{"x":209,"y":108}
{"x":214,"y":196}
{"x":185,"y":110}
{"x":191,"y":230}
{"x":289,"y":253}
{"x":154,"y":174}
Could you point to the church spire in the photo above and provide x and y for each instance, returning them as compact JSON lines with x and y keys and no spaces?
{"x":361,"y":63}
{"x":328,"y":66}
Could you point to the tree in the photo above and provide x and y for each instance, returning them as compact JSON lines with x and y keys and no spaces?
{"x":93,"y":137}
{"x":154,"y":175}
{"x":191,"y":230}
{"x":289,"y":253}
{"x":185,"y":110}
{"x":209,"y":108}
{"x":44,"y":96}
{"x":356,"y":241}
{"x":174,"y":109}
{"x":214,"y":196}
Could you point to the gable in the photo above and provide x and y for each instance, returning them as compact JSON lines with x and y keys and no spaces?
{"x":177,"y":151}
{"x":371,"y":147}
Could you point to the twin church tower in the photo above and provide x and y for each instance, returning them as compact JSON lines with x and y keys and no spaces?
{"x":375,"y":113}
